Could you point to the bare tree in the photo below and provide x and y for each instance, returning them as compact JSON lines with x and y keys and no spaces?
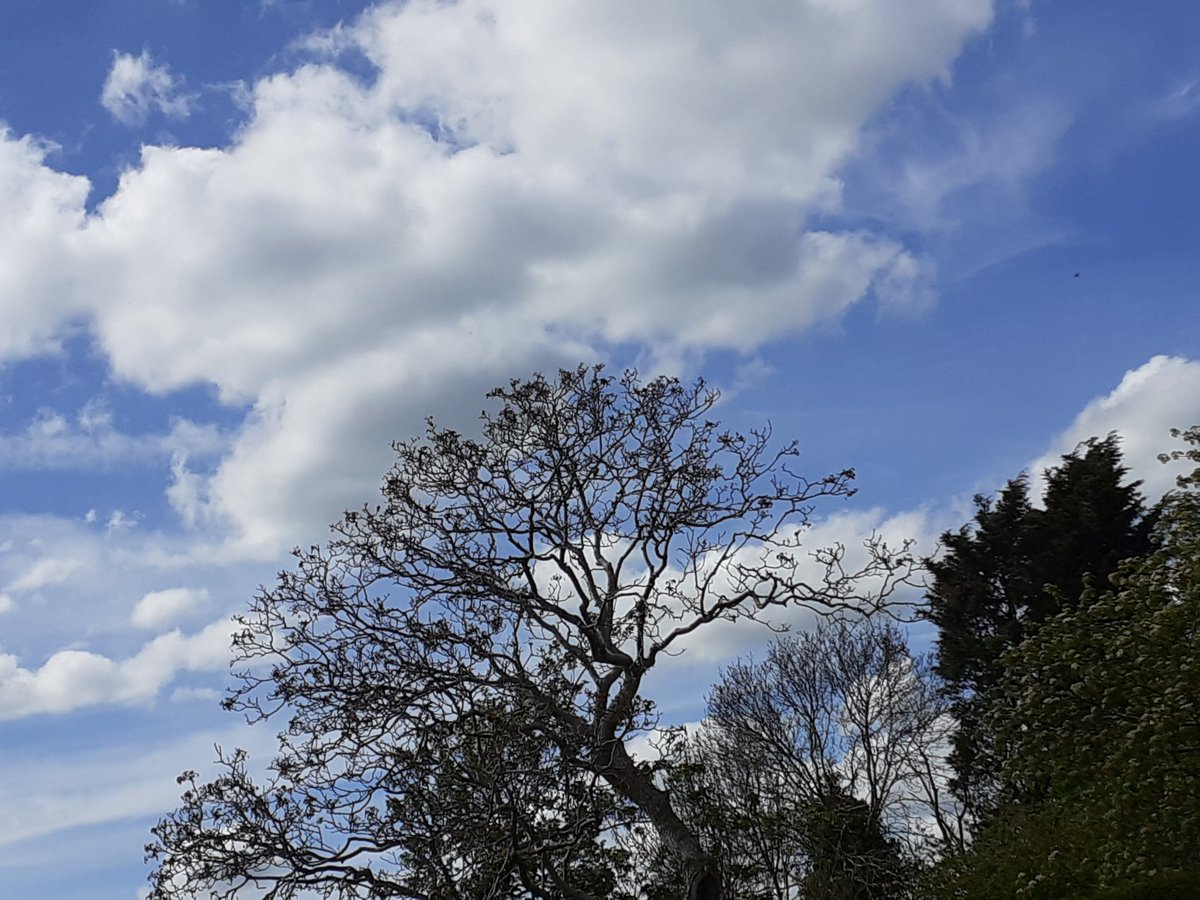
{"x":487,"y":630}
{"x":820,"y":770}
{"x":844,"y":720}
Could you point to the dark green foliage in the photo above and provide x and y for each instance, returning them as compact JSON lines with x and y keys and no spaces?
{"x":1096,"y":724}
{"x":1092,"y":521}
{"x":1021,"y":853}
{"x":983,"y":587}
{"x":850,"y":854}
{"x":1017,"y":565}
{"x":1168,"y":886}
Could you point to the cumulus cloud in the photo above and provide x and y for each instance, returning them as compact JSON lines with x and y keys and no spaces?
{"x":74,"y":679}
{"x":136,"y":87}
{"x":42,"y":213}
{"x":1162,"y":394}
{"x":519,"y":185}
{"x":158,"y":609}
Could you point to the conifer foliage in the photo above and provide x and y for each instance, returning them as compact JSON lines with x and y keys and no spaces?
{"x":1096,"y":729}
{"x":1018,"y":564}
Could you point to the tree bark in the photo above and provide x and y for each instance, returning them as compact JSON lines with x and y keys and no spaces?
{"x":637,"y":786}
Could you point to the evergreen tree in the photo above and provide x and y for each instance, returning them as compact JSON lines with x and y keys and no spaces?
{"x":1097,"y":724}
{"x":1019,"y":564}
{"x":851,"y":855}
{"x":1092,"y":521}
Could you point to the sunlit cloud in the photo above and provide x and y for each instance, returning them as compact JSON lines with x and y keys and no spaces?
{"x":136,"y":87}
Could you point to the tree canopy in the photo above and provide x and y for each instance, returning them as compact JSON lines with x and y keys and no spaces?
{"x":460,"y":674}
{"x":1096,"y":729}
{"x":460,"y":669}
{"x":1017,"y":564}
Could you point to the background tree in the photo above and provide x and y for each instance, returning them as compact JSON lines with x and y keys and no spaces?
{"x":1097,"y":724}
{"x":533,"y":577}
{"x":1018,"y":564}
{"x":820,"y":769}
{"x":851,"y":856}
{"x":740,"y":810}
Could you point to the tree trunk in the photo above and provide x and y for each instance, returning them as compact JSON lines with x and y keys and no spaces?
{"x":637,"y":786}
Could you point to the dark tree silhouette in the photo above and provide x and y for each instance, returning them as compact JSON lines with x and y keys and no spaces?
{"x":1097,"y":728}
{"x":461,"y":668}
{"x":1016,"y":565}
{"x":852,"y":856}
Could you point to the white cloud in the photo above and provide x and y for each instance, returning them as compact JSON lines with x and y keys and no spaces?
{"x":851,"y":530}
{"x":521,"y":185}
{"x":74,"y":679}
{"x":1162,"y":394}
{"x":41,"y":216}
{"x":158,"y":609}
{"x":907,"y":285}
{"x":186,"y":492}
{"x":136,"y":87}
{"x":45,"y":571}
{"x":120,"y":520}
{"x":90,"y":440}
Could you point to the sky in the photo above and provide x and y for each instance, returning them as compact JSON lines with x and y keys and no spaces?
{"x":245,"y":244}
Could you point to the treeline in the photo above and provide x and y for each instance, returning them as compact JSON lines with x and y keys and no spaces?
{"x":1049,"y":748}
{"x":1077,"y":749}
{"x":462,"y":674}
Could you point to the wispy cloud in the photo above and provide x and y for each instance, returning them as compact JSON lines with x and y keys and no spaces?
{"x":46,"y":571}
{"x":136,"y":87}
{"x":963,"y":183}
{"x":1180,"y":101}
{"x":89,"y":440}
{"x":84,"y":786}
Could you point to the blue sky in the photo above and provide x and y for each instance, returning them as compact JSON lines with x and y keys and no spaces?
{"x":244,"y":245}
